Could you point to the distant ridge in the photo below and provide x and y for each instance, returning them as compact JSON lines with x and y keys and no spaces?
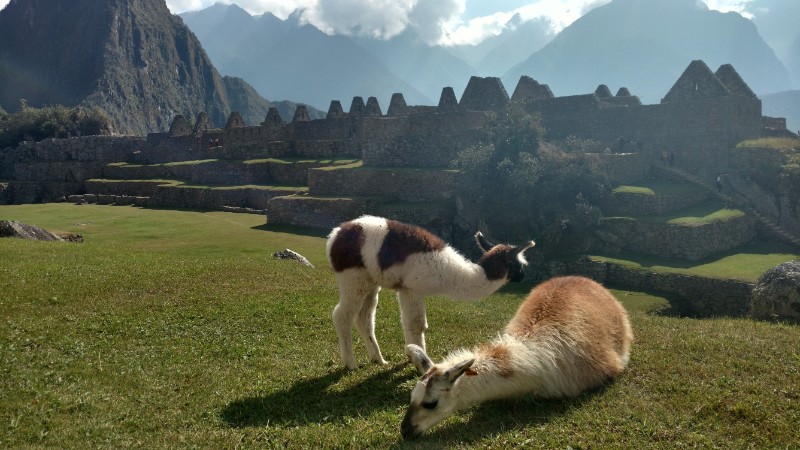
{"x":644,"y":45}
{"x":287,"y":59}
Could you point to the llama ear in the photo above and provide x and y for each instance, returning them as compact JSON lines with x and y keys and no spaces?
{"x":521,"y":249}
{"x":418,"y":358}
{"x":453,"y":373}
{"x":482,"y":242}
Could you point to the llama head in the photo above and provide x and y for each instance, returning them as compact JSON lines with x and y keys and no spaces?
{"x":503,"y":261}
{"x":432,"y":399}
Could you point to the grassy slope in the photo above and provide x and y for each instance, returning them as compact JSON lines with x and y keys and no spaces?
{"x":748,"y":263}
{"x":179,"y":329}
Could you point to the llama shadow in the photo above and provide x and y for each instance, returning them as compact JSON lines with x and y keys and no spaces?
{"x":292,"y":229}
{"x":313,"y":401}
{"x":499,"y":416}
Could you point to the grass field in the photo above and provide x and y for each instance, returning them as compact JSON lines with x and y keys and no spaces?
{"x":746,"y":263}
{"x":178,"y":329}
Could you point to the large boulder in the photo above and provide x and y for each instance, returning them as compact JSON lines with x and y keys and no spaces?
{"x":777,"y":293}
{"x":12,"y":228}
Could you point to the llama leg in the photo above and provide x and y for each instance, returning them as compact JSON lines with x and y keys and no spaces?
{"x":352,"y":289}
{"x":412,"y":314}
{"x":342,"y":320}
{"x":365,"y":324}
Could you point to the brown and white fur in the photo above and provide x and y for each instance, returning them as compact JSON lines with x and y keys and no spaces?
{"x":372,"y":252}
{"x":568,"y":336}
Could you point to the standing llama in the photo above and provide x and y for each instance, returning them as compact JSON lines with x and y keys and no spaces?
{"x":568,"y":336}
{"x":372,"y":252}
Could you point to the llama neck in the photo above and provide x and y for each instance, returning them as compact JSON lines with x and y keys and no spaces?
{"x":506,"y":367}
{"x":465,"y":280}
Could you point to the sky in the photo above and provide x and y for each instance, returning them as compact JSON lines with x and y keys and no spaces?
{"x":440,"y":22}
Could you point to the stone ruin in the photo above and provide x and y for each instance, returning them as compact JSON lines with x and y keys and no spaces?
{"x":403,"y":156}
{"x":273,"y":118}
{"x":179,"y":127}
{"x":703,"y":113}
{"x":484,"y":94}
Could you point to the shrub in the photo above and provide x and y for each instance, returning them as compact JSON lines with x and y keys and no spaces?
{"x":522,"y":187}
{"x":36,"y":124}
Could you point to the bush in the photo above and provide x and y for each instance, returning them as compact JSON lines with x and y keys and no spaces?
{"x":521,"y":187}
{"x":36,"y":124}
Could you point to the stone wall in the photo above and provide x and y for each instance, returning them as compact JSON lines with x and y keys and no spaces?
{"x":395,"y":184}
{"x":291,"y":149}
{"x":650,"y":205}
{"x":690,"y":295}
{"x":114,"y":187}
{"x":778,"y":201}
{"x":54,"y":168}
{"x":316,"y":212}
{"x":220,"y":172}
{"x":422,"y":140}
{"x":206,"y":198}
{"x":699,"y":131}
{"x":23,"y":192}
{"x":325,"y":213}
{"x":676,"y":241}
{"x":66,"y":160}
{"x":622,"y":168}
{"x":170,"y":195}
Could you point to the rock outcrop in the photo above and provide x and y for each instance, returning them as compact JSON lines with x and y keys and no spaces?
{"x":777,"y":293}
{"x":13,"y":228}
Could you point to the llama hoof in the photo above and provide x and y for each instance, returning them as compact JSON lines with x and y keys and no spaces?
{"x":417,"y":356}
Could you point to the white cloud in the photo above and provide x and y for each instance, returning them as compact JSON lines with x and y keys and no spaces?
{"x":437,"y":21}
{"x":739,"y":6}
{"x":380,"y":19}
{"x":558,"y":13}
{"x":280,"y":8}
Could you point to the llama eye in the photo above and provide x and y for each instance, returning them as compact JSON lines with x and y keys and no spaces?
{"x":430,"y":405}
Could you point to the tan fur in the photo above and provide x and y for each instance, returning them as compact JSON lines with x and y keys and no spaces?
{"x":568,"y":336}
{"x":586,"y":312}
{"x":499,"y":356}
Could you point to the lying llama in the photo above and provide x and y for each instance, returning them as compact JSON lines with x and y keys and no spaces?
{"x":372,"y":252}
{"x":568,"y":336}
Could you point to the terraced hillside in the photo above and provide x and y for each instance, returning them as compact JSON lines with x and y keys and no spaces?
{"x":237,"y":185}
{"x":671,"y":218}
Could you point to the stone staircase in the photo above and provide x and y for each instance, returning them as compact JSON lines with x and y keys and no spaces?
{"x":768,"y":224}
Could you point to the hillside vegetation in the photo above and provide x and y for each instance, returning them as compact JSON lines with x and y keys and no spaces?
{"x":60,"y":122}
{"x":179,"y":329}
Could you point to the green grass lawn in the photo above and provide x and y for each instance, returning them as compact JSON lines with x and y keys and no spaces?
{"x":176,"y":329}
{"x":746,"y":263}
{"x":656,"y":187}
{"x":699,"y":214}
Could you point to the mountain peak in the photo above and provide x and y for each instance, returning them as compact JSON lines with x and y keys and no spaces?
{"x":645,"y":44}
{"x":132,"y":58}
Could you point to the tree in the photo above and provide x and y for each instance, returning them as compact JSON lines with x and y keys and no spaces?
{"x":36,"y":124}
{"x":522,"y":187}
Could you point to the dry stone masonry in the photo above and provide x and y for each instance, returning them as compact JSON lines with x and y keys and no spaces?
{"x":301,"y":173}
